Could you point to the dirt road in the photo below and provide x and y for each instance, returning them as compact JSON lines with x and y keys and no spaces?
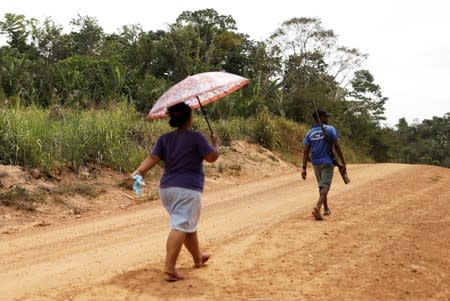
{"x":388,"y":238}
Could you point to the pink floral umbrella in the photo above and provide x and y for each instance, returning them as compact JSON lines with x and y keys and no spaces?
{"x":197,"y":91}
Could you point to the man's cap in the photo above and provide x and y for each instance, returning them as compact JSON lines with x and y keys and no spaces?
{"x":321,"y":113}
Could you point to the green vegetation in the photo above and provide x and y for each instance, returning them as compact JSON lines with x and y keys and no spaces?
{"x":20,"y":198}
{"x":34,"y":137}
{"x":424,"y":143}
{"x":79,"y":188}
{"x":119,"y":137}
{"x":67,"y":99}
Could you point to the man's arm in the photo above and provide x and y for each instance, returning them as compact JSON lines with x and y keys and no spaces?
{"x":305,"y":160}
{"x":338,"y":149}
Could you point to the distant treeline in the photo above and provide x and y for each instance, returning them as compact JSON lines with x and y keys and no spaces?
{"x":43,"y":66}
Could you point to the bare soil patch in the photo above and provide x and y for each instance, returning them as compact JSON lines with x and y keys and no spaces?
{"x":388,"y":237}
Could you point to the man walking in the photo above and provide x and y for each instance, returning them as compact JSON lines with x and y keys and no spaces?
{"x":320,"y":141}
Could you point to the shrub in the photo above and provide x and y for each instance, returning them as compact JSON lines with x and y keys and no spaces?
{"x":263,"y":128}
{"x":20,"y":198}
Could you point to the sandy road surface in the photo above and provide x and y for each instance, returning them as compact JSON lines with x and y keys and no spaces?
{"x":388,"y":238}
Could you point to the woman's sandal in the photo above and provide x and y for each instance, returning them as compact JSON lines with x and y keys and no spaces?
{"x":173,"y":276}
{"x":205,"y":258}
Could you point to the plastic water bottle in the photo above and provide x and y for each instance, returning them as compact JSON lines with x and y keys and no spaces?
{"x":137,"y":185}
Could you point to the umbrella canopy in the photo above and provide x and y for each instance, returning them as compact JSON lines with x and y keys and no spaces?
{"x":197,"y":90}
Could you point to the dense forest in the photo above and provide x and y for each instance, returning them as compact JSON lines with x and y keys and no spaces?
{"x":43,"y":66}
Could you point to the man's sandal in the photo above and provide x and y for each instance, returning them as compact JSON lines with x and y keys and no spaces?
{"x":316,"y":214}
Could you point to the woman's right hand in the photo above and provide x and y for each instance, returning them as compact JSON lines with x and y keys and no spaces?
{"x":215,"y":140}
{"x":214,"y":155}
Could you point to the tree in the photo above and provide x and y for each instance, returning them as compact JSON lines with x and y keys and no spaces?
{"x":313,"y":66}
{"x":301,"y":36}
{"x":88,"y":38}
{"x":48,"y":39}
{"x":426,"y":142}
{"x":123,"y":46}
{"x":14,"y":72}
{"x":202,"y":41}
{"x":366,"y":97}
{"x":19,"y":31}
{"x":208,"y":21}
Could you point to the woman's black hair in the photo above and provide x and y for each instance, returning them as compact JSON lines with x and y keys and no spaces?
{"x":179,"y":114}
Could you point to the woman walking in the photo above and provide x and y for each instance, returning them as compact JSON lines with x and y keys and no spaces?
{"x":183,"y":151}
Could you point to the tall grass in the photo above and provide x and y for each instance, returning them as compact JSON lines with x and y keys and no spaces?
{"x":120,"y":137}
{"x":24,"y":137}
{"x":272,"y":132}
{"x":34,"y":137}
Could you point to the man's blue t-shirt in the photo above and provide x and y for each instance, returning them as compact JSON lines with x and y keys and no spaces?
{"x":182,"y":152}
{"x":320,"y":151}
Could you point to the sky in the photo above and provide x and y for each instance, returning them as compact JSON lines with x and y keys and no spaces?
{"x":407,"y":41}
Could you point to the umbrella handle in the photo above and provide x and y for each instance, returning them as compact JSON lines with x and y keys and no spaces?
{"x":206,"y":118}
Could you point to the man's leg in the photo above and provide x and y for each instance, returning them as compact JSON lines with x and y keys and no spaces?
{"x":326,"y":177}
{"x":323,"y":192}
{"x":316,"y":210}
{"x":325,"y":205}
{"x":323,"y":198}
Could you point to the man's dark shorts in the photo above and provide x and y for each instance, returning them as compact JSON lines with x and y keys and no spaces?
{"x":324,"y":174}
